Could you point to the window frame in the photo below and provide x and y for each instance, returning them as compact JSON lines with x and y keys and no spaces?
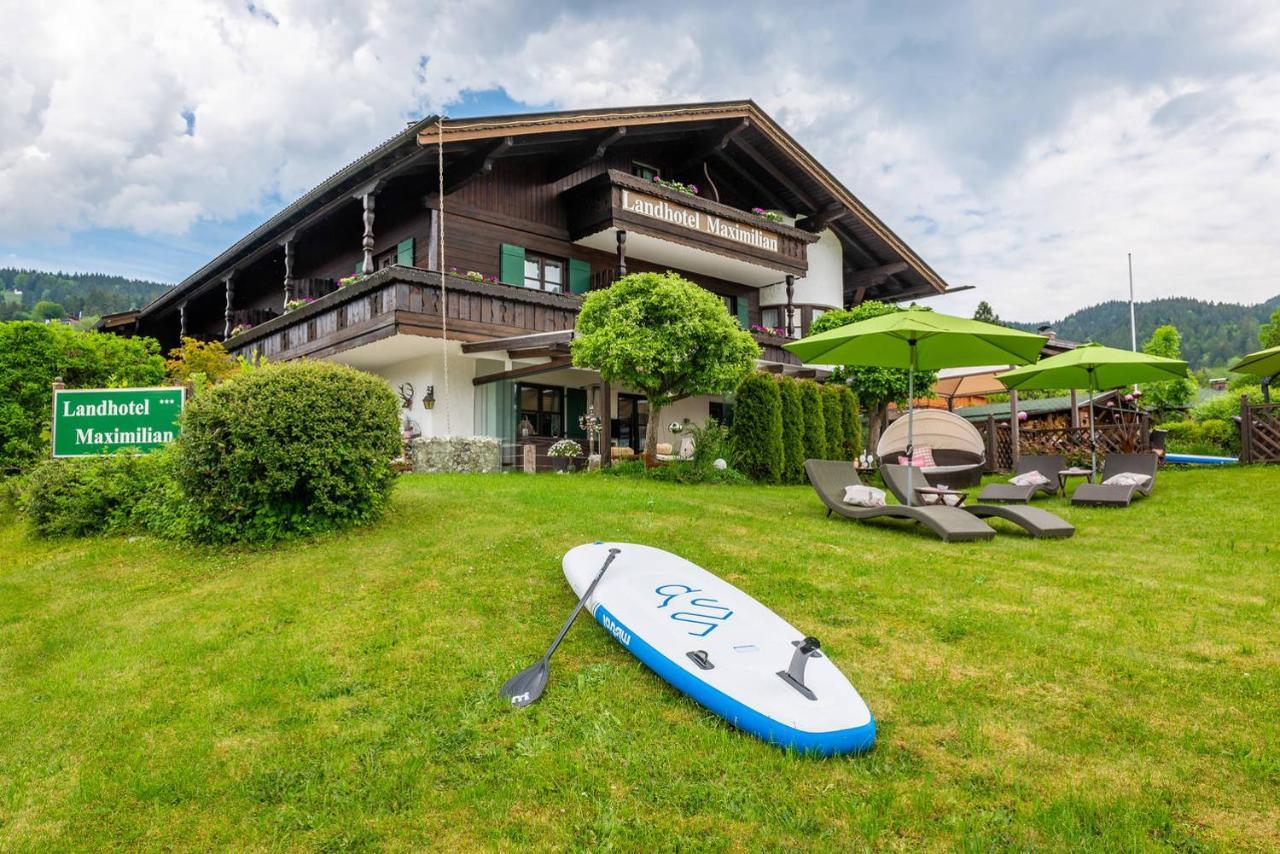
{"x":637,"y":166}
{"x":538,"y":413}
{"x":542,"y":260}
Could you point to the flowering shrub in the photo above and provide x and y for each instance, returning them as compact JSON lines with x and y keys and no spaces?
{"x":686,"y":189}
{"x":565,"y":448}
{"x":351,"y":280}
{"x":295,"y":304}
{"x":239,"y":328}
{"x":769,"y":330}
{"x":772,"y":216}
{"x":473,"y":276}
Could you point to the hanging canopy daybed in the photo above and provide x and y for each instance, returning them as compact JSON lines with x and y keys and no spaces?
{"x":959,"y":452}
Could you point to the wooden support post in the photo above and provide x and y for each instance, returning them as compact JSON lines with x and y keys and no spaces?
{"x":366,"y":243}
{"x":1014,"y":451}
{"x":529,"y":458}
{"x":433,"y":239}
{"x":993,"y":445}
{"x":1144,"y":432}
{"x":230,"y":282}
{"x":622,"y":253}
{"x":1246,"y":430}
{"x":606,"y":424}
{"x":1075,"y":410}
{"x":791,"y":308}
{"x":287,"y":246}
{"x":182,"y":321}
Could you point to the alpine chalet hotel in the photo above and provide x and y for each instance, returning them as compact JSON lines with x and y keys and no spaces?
{"x":538,"y":210}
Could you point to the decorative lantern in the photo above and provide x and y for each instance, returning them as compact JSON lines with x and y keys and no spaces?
{"x":429,"y":399}
{"x":526,"y":429}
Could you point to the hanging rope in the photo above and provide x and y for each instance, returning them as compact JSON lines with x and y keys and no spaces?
{"x":444,"y":295}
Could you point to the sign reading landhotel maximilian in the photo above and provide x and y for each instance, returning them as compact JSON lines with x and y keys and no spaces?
{"x":695,"y":220}
{"x":92,"y":421}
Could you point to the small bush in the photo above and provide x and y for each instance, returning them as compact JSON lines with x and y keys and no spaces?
{"x":852,"y":420}
{"x":625,"y":468}
{"x":1225,"y":406}
{"x":757,"y":428}
{"x":833,"y":420}
{"x":1212,"y":437}
{"x":287,"y":450}
{"x":815,"y":427}
{"x":792,"y":430}
{"x":683,"y":471}
{"x":99,"y":495}
{"x":711,"y":442}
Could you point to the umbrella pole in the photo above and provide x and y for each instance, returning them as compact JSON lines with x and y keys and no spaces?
{"x":1093,"y":434}
{"x":911,"y":421}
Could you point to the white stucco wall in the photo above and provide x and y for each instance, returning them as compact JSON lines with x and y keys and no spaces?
{"x":824,"y":285}
{"x":428,"y":370}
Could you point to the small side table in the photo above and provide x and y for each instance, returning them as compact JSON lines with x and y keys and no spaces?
{"x":941,"y":493}
{"x":1066,"y":474}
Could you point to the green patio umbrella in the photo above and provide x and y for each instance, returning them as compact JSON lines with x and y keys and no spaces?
{"x":1265,"y":364}
{"x":918,"y":339}
{"x":1094,"y":367}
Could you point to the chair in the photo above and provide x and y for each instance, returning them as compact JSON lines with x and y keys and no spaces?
{"x":830,"y":477}
{"x":685,"y":452}
{"x":1117,"y":495}
{"x":1047,"y":464}
{"x":1040,"y":524}
{"x":958,"y":449}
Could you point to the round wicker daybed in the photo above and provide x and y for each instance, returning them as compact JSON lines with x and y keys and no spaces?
{"x":957,"y":446}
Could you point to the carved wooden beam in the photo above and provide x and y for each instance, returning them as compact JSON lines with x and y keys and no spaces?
{"x":593,"y":153}
{"x":873,"y":276}
{"x":774,"y":200}
{"x":182,"y":320}
{"x":366,"y":241}
{"x":775,"y":173}
{"x":287,"y":246}
{"x":791,"y":308}
{"x":230,"y":281}
{"x":714,"y":144}
{"x":516,"y":373}
{"x":822,"y":218}
{"x":475,"y":166}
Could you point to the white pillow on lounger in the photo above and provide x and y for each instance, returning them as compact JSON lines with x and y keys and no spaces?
{"x":861,"y":495}
{"x":1127,"y":478}
{"x":1029,"y":478}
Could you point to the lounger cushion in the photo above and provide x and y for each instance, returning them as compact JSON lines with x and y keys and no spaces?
{"x":1127,"y":478}
{"x":949,"y":500}
{"x":1029,"y":478}
{"x":921,"y":458}
{"x":861,"y":495}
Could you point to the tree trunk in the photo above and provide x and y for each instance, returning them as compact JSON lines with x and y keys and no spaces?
{"x":651,"y":435}
{"x":875,"y":425}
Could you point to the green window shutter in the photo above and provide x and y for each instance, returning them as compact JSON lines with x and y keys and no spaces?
{"x":404,"y":253}
{"x":743,"y":305}
{"x":575,"y":406}
{"x":511,"y":270}
{"x":579,"y":276}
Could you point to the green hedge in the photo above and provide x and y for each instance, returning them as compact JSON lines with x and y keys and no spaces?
{"x":833,"y":420}
{"x":101,"y":495}
{"x":1212,"y":437}
{"x":792,"y":430}
{"x":815,"y":427}
{"x":756,"y":433}
{"x":286,"y":450}
{"x":852,"y":420}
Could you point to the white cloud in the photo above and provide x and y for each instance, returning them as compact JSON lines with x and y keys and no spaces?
{"x":1021,"y":151}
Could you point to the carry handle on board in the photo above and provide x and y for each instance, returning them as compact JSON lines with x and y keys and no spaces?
{"x":527,"y":685}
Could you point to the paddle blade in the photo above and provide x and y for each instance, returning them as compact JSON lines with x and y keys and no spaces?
{"x":527,"y":685}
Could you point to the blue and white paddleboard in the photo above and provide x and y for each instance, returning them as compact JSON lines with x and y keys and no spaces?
{"x":721,"y":647}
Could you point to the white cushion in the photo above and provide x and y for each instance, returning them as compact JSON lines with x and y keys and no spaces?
{"x":1127,"y":478}
{"x":949,"y":500}
{"x":1029,"y":478}
{"x":861,"y":495}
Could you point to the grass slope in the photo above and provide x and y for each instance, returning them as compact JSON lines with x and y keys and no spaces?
{"x":1114,"y":691}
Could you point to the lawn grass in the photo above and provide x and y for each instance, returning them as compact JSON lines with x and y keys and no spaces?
{"x":1113,"y":691}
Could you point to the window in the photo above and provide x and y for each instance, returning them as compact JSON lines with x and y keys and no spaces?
{"x":771,"y":317}
{"x":386,"y":259}
{"x":644,"y":171}
{"x":730,"y":303}
{"x":543,"y":407}
{"x":721,"y":412}
{"x":543,"y":273}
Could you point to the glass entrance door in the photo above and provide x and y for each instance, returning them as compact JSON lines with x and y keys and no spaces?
{"x":632,"y":423}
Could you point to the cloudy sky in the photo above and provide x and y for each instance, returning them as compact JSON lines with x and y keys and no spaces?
{"x":1022,"y":148}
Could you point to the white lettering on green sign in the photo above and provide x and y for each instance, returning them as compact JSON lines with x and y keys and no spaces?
{"x":89,"y":422}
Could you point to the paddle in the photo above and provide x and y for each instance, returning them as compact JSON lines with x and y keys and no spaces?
{"x":527,"y":685}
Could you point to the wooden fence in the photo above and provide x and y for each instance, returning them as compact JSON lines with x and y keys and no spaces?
{"x":1071,"y":442}
{"x":1259,"y":432}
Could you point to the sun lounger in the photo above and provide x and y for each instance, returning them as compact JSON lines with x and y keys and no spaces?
{"x":1047,"y":464}
{"x":1116,"y":495}
{"x":1038,"y":523}
{"x":830,"y":477}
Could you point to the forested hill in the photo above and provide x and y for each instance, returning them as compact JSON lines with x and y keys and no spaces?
{"x":1213,"y":333}
{"x":77,"y":293}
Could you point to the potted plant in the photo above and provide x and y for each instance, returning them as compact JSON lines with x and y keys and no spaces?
{"x":563,"y":453}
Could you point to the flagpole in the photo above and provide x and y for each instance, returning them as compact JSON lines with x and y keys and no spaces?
{"x":1133,"y":324}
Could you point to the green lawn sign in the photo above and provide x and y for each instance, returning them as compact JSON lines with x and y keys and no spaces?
{"x":94,"y":421}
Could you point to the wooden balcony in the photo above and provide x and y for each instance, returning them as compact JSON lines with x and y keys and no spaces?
{"x":405,"y":301}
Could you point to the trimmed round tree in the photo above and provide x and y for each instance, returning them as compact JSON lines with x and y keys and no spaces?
{"x":664,"y":336}
{"x":756,"y":432}
{"x":792,"y":430}
{"x":833,"y":420}
{"x":815,"y":426}
{"x":852,"y":421}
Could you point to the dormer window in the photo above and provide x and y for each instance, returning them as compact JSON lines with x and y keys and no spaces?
{"x":644,"y":171}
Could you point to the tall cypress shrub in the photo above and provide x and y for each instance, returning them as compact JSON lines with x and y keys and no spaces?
{"x":757,"y":428}
{"x":851,"y":417}
{"x":833,"y":420}
{"x":792,"y":430}
{"x":815,"y":427}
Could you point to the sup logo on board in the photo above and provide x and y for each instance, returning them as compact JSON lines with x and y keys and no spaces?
{"x":703,"y":611}
{"x":623,"y":636}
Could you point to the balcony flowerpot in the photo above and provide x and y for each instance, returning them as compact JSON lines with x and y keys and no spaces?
{"x":561,"y":464}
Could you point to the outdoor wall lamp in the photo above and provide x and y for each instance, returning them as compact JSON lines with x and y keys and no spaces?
{"x":429,"y":399}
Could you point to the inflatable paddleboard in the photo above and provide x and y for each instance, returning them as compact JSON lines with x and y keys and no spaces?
{"x":722,"y":648}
